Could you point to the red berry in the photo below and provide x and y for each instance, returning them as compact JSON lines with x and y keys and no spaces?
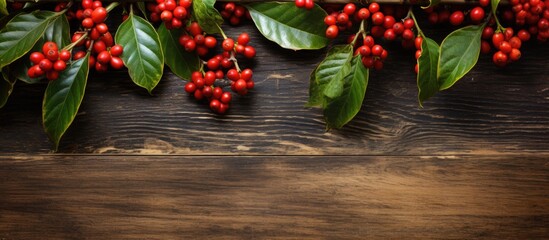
{"x":487,"y":33}
{"x":213,"y":64}
{"x":233,"y":74}
{"x":514,"y":55}
{"x":457,"y":18}
{"x":52,"y":55}
{"x":195,"y":29}
{"x":49,"y":46}
{"x":508,"y":33}
{"x":214,"y":105}
{"x":485,"y":47}
{"x":505,"y":47}
{"x":45,"y":65}
{"x":116,"y":50}
{"x":515,"y":42}
{"x":377,"y":50}
{"x":209,"y":78}
{"x":99,"y":46}
{"x":363,"y":14}
{"x":309,"y":4}
{"x":240,"y":85}
{"x":364,"y":51}
{"x":330,"y":20}
{"x":99,"y":15}
{"x":190,"y":87}
{"x":104,"y":57}
{"x":59,"y":65}
{"x":170,"y":5}
{"x":332,"y":31}
{"x":500,"y":59}
{"x":342,"y":18}
{"x":102,"y":28}
{"x":497,"y":39}
{"x":79,"y":55}
{"x":36,"y":57}
{"x":166,"y":16}
{"x":210,"y":42}
{"x":190,"y":45}
{"x":524,"y":35}
{"x":300,"y":3}
{"x":398,"y":28}
{"x":243,"y":39}
{"x":207,"y":92}
{"x":217,"y":92}
{"x":378,"y":18}
{"x":180,"y":12}
{"x":409,"y":23}
{"x":389,"y":34}
{"x":408,"y":34}
{"x":484,"y":3}
{"x":228,"y":44}
{"x":349,"y":9}
{"x":368,"y":41}
{"x":249,"y":52}
{"x":246,"y":74}
{"x":417,"y":42}
{"x":373,"y":7}
{"x":52,"y":75}
{"x":388,"y":22}
{"x":477,"y":14}
{"x":226,"y":97}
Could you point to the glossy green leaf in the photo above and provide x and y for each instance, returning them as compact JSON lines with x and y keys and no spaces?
{"x":3,"y":7}
{"x":289,"y":26}
{"x":427,"y":81}
{"x":181,"y":62}
{"x":143,"y":54}
{"x":6,"y":86}
{"x":494,"y":4}
{"x":459,"y":53}
{"x":58,"y":31}
{"x":142,"y":8}
{"x":21,"y":33}
{"x":62,"y":99}
{"x":336,"y":65}
{"x":342,"y":109}
{"x":207,"y":16}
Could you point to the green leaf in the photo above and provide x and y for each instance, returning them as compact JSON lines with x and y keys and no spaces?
{"x":142,"y":8}
{"x":6,"y":86}
{"x":459,"y":53}
{"x":334,"y":66}
{"x":494,"y":4}
{"x":143,"y":54}
{"x":427,"y":82}
{"x":339,"y":111}
{"x":181,"y":62}
{"x":431,"y":3}
{"x":3,"y":7}
{"x":58,"y":31}
{"x":62,"y":99}
{"x":207,"y":16}
{"x":21,"y":33}
{"x":289,"y":26}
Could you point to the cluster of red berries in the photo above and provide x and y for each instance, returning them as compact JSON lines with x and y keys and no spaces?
{"x":202,"y":86}
{"x":234,"y":13}
{"x":505,"y":42}
{"x":342,"y":20}
{"x":307,"y":4}
{"x":49,"y":62}
{"x":173,"y":13}
{"x":372,"y":54}
{"x":417,"y":43}
{"x":93,"y":16}
{"x":535,"y":14}
{"x":440,"y":15}
{"x":197,"y":40}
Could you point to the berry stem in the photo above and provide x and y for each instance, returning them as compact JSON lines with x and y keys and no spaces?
{"x":71,"y":46}
{"x":221,"y":31}
{"x":112,"y":6}
{"x":361,"y":30}
{"x":411,"y":14}
{"x":233,"y":58}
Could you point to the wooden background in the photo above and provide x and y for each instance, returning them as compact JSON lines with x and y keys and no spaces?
{"x":474,"y":163}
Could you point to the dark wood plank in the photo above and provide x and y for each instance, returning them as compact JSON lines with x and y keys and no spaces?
{"x":389,"y":197}
{"x":490,"y":111}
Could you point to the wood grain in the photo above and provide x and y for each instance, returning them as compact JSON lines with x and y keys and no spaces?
{"x":346,"y":197}
{"x":490,"y":111}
